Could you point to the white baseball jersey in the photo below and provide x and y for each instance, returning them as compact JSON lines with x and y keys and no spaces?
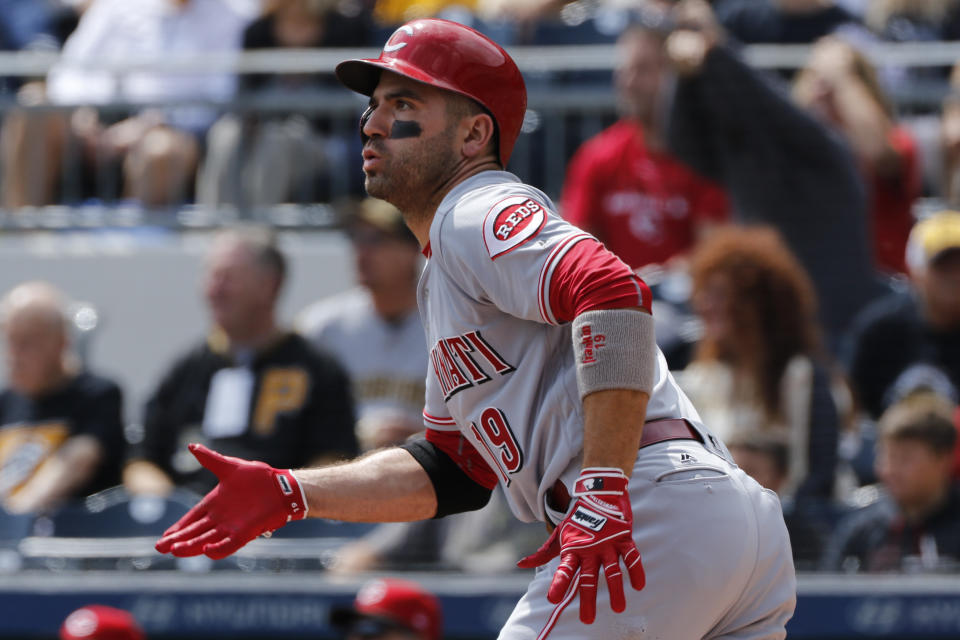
{"x":385,"y":360}
{"x":501,"y":367}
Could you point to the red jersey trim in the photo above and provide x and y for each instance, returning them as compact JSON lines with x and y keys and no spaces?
{"x":427,"y":251}
{"x":464,"y":456}
{"x":586,"y":276}
{"x":440,"y":422}
{"x":546,"y":274}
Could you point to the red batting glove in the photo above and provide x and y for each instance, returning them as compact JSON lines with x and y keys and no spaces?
{"x":251,"y":499}
{"x":597,"y":532}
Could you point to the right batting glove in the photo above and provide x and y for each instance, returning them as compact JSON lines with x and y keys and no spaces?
{"x":251,"y":499}
{"x":598,"y":531}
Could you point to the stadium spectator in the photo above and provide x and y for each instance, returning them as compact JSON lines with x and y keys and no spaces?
{"x":374,"y":330}
{"x":759,"y":365}
{"x":765,"y":455}
{"x":155,"y":150}
{"x":783,"y":21}
{"x":251,"y":388}
{"x":623,"y":185}
{"x":390,"y":609}
{"x":914,"y":523}
{"x":99,"y":622}
{"x":61,"y":430}
{"x":913,"y":334}
{"x":779,"y":165}
{"x":840,"y":87}
{"x":255,"y":160}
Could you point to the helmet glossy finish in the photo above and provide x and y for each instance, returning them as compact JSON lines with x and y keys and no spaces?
{"x":450,"y":56}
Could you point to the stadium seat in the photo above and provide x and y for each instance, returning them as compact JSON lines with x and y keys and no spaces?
{"x":14,"y":526}
{"x":114,"y":513}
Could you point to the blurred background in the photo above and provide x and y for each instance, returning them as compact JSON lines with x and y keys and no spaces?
{"x":187,"y":254}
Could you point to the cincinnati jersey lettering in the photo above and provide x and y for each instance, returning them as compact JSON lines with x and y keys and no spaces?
{"x":457,"y":362}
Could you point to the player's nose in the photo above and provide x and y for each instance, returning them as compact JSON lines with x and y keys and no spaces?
{"x":373,"y":123}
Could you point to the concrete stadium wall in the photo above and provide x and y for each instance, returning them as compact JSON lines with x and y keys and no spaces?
{"x":145,"y":284}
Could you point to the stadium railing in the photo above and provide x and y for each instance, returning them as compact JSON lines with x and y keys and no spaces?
{"x":570,"y":99}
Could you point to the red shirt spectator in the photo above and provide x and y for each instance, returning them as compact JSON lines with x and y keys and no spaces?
{"x":642,"y":203}
{"x":891,"y":206}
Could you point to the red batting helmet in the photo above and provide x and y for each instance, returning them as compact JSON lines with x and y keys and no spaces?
{"x":98,"y":622}
{"x":391,"y":600}
{"x":455,"y":57}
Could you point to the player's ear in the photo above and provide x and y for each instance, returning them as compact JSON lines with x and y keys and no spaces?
{"x":479,"y":131}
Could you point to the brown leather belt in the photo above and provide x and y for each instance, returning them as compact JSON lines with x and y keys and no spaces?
{"x":655,"y":431}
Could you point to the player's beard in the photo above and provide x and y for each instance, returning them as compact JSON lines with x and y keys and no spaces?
{"x":409,"y":179}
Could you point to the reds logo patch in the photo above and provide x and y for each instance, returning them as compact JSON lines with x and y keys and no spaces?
{"x":511,"y":222}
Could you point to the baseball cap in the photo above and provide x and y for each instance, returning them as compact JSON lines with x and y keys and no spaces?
{"x":382,"y":215}
{"x":932,"y":237}
{"x":98,"y":622}
{"x":390,"y":603}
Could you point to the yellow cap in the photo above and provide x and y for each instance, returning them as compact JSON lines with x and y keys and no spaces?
{"x":932,"y":236}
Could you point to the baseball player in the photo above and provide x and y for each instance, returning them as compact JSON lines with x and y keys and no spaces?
{"x":544,"y":377}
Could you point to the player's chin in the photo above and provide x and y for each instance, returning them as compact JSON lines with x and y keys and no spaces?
{"x":376,"y":185}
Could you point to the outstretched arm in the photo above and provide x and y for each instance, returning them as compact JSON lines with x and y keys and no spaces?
{"x":252,"y":498}
{"x":385,"y":486}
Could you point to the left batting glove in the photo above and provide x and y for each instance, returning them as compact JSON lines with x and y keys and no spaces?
{"x":598,"y":532}
{"x":252,"y":498}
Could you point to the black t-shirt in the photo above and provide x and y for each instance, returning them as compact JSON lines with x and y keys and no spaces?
{"x":299,"y":408}
{"x":32,"y":429}
{"x":890,"y":337}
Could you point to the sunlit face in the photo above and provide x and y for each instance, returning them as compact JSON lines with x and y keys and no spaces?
{"x":35,"y":345}
{"x":409,"y":148}
{"x":640,"y":74}
{"x":912,"y":471}
{"x":237,"y":288}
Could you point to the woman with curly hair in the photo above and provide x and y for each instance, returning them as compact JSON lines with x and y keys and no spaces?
{"x":759,"y":365}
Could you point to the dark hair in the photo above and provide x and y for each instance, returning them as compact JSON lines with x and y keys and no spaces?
{"x":923,"y":416}
{"x":774,"y":305}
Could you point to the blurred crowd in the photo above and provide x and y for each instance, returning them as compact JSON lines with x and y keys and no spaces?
{"x":90,"y":131}
{"x":806,"y":302}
